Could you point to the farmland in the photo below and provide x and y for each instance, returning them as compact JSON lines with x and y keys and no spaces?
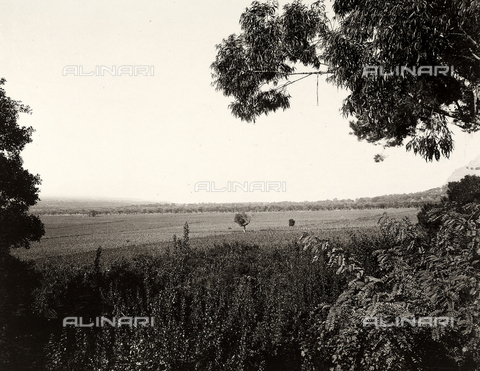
{"x":74,"y":238}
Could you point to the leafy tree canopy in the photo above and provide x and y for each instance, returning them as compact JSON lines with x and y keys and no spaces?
{"x":460,"y":196}
{"x":242,"y":219}
{"x":415,"y":110}
{"x":465,"y":191}
{"x":18,"y":188}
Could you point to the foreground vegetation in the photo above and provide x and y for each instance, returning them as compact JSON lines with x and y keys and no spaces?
{"x":237,"y":306}
{"x":297,"y":305}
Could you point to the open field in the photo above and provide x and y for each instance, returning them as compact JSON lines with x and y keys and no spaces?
{"x":68,"y":237}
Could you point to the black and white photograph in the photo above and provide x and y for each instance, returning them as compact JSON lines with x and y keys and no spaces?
{"x":271,"y":185}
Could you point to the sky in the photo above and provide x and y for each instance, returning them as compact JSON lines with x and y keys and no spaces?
{"x":162,"y":137}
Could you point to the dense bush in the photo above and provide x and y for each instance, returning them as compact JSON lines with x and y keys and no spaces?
{"x":415,"y":273}
{"x":22,"y":332}
{"x":465,"y":191}
{"x":231,"y":307}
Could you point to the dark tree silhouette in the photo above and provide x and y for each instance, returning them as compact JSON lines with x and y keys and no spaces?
{"x":459,"y":195}
{"x":242,"y":219}
{"x":464,"y":191}
{"x":18,"y":188}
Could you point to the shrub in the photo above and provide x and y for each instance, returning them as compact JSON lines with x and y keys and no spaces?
{"x":413,"y":274}
{"x":92,"y":213}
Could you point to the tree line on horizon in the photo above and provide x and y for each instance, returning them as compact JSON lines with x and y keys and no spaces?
{"x":410,"y":200}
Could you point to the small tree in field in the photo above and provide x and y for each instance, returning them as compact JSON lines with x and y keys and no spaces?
{"x":242,"y":219}
{"x":291,"y":222}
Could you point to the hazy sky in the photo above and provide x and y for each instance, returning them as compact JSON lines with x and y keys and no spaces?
{"x":155,"y":137}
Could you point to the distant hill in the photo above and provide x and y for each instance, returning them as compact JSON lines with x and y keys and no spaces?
{"x":122,"y":206}
{"x":95,"y":206}
{"x":473,"y":168}
{"x":431,"y":195}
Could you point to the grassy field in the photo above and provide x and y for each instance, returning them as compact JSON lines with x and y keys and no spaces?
{"x":75,"y":238}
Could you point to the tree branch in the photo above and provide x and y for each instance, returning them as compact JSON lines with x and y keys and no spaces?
{"x":296,"y":73}
{"x":476,"y":56}
{"x":469,"y":37}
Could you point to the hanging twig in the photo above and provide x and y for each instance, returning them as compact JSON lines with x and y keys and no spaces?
{"x":296,"y":73}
